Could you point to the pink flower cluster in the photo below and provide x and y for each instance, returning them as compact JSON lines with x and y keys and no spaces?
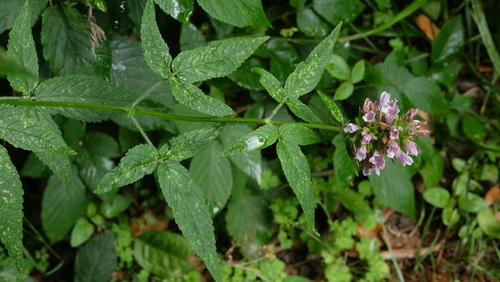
{"x":379,"y":131}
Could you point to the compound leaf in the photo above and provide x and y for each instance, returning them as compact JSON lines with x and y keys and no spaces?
{"x":192,"y":97}
{"x":239,"y":13}
{"x":309,"y":72}
{"x":271,"y":84}
{"x":83,"y":89}
{"x":22,"y":51}
{"x":156,"y":51}
{"x":23,"y":130}
{"x":217,"y":59}
{"x":11,"y":214}
{"x":258,"y":139}
{"x":190,"y":143}
{"x":190,"y":212}
{"x":66,"y":44}
{"x":302,"y":111}
{"x":137,"y":162}
{"x":298,"y":174}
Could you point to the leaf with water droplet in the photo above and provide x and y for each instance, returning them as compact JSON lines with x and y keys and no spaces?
{"x":258,"y":139}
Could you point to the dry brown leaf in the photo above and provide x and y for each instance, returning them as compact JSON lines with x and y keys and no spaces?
{"x":427,"y":26}
{"x":492,"y":196}
{"x":143,"y":224}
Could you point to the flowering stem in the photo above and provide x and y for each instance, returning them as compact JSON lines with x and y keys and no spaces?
{"x":139,"y":111}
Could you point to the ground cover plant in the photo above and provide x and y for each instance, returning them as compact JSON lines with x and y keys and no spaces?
{"x":323,"y":140}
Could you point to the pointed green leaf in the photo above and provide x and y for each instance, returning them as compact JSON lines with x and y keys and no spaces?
{"x":332,"y":107}
{"x":299,"y":134}
{"x":192,"y":97}
{"x":156,"y":51}
{"x":211,"y":173}
{"x":358,"y":71}
{"x":60,"y":166}
{"x":191,"y":37}
{"x":302,"y":111}
{"x":83,"y":89}
{"x":190,"y":143}
{"x":309,"y":72}
{"x":298,"y":174}
{"x":345,"y":167}
{"x":162,"y":253}
{"x":137,"y":162}
{"x":217,"y":59}
{"x":22,"y":51}
{"x":336,"y":11}
{"x":338,"y":67}
{"x":425,"y":94}
{"x":178,"y":9}
{"x":258,"y":139}
{"x":9,"y":67}
{"x":25,"y":131}
{"x":96,"y":261}
{"x":244,"y":77}
{"x":311,"y":24}
{"x":11,"y":214}
{"x":248,"y":162}
{"x":344,"y":91}
{"x":61,"y":210}
{"x":271,"y":84}
{"x":239,"y":13}
{"x":190,"y":212}
{"x":66,"y":44}
{"x":449,"y":42}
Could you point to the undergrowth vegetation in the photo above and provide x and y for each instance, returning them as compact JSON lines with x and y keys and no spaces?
{"x":237,"y":140}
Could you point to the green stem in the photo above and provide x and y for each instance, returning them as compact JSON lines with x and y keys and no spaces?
{"x":482,"y":25}
{"x":146,"y":93}
{"x":399,"y":17}
{"x":274,"y":111}
{"x":41,"y":239}
{"x":161,"y":115}
{"x":139,"y":127}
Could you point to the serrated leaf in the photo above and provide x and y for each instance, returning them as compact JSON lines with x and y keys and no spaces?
{"x":25,"y":131}
{"x":190,"y":143}
{"x":244,"y":77}
{"x":190,"y":212}
{"x":21,"y":49}
{"x":284,"y":57}
{"x":344,"y":91}
{"x":66,"y":44}
{"x":137,"y":162}
{"x":11,"y":214}
{"x":298,"y":174}
{"x":83,"y":89}
{"x":426,"y":95}
{"x":239,"y":13}
{"x":178,"y":9}
{"x":211,"y":174}
{"x":332,"y":107}
{"x":60,"y":166}
{"x":394,"y":188}
{"x":338,"y":67}
{"x":217,"y":59}
{"x":302,"y":111}
{"x":299,"y":134}
{"x":449,"y":42}
{"x":358,"y":71}
{"x":96,"y":261}
{"x":156,"y":51}
{"x":162,"y":252}
{"x":248,"y":162}
{"x":271,"y":84}
{"x":61,"y":210}
{"x":192,"y":97}
{"x":309,"y":72}
{"x":258,"y":139}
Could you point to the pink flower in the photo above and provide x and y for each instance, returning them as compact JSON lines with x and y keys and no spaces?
{"x":369,"y":117}
{"x":360,"y":153}
{"x":366,"y":139}
{"x":404,"y":159}
{"x":411,"y":148}
{"x":412,"y":113}
{"x":393,"y":150}
{"x":377,"y":163}
{"x":351,"y":128}
{"x":394,"y":133}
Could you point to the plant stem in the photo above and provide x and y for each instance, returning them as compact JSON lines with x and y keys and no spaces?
{"x":162,"y":115}
{"x":146,"y":93}
{"x":139,"y":127}
{"x":482,"y":25}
